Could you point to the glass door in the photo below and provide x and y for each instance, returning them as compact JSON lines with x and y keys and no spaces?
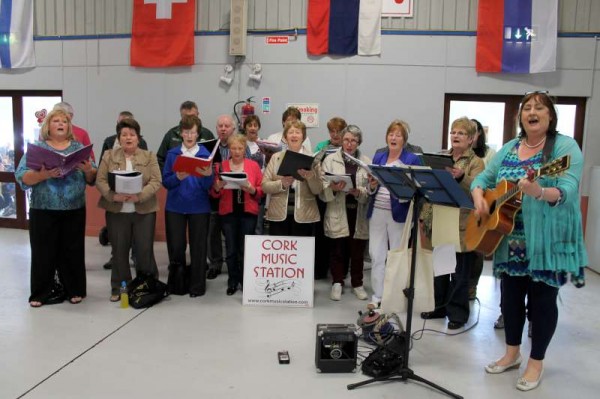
{"x":21,"y":117}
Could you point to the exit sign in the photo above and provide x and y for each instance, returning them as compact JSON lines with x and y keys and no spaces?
{"x":519,"y":33}
{"x":277,"y":39}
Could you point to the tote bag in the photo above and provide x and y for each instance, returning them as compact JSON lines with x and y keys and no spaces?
{"x":397,"y":275}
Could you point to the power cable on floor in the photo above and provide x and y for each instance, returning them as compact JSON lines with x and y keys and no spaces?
{"x":80,"y":355}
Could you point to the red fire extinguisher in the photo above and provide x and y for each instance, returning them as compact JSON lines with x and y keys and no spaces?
{"x":247,"y":109}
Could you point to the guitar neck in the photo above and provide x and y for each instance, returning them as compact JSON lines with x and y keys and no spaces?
{"x":508,"y":194}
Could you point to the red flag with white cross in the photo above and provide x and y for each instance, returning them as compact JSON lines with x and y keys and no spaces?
{"x":162,"y":33}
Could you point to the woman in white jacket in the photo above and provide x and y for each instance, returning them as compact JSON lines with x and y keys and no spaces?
{"x":346,"y":214}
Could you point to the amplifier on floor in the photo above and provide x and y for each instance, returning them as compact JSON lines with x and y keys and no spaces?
{"x":336,"y":348}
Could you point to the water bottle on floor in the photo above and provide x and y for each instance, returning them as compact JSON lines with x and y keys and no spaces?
{"x":124,"y":295}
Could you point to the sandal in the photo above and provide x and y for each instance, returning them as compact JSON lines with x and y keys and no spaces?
{"x":115,"y":298}
{"x":36,"y":304}
{"x":75,"y":300}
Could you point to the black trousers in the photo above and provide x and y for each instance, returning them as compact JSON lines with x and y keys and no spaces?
{"x":289,"y":227}
{"x":541,"y":308}
{"x":236,"y":227}
{"x":122,"y":229}
{"x":57,"y":240}
{"x":178,"y":227}
{"x":347,"y":253}
{"x":476,"y":270}
{"x":452,"y":290}
{"x":215,"y":241}
{"x":322,"y":245}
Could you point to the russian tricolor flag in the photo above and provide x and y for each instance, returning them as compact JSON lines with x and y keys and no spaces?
{"x":344,"y":27}
{"x":517,"y":36}
{"x":16,"y":34}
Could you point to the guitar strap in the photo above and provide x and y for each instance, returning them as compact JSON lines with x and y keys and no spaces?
{"x":548,"y":146}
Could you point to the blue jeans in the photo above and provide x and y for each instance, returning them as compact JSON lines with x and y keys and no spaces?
{"x":235,"y":229}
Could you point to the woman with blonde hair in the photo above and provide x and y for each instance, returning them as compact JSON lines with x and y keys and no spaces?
{"x":57,"y":205}
{"x":452,"y":290}
{"x":293,"y":206}
{"x":386,"y":214}
{"x":238,"y":208}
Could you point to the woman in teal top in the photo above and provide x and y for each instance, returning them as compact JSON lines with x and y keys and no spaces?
{"x":57,"y":216}
{"x":546,"y":245}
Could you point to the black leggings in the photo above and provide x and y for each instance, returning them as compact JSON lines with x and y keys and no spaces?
{"x":542,"y":308}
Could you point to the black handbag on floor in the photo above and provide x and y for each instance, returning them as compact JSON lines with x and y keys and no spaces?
{"x":145,"y":290}
{"x":386,"y":359}
{"x":179,"y":279}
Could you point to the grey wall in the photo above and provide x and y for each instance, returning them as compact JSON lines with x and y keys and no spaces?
{"x":408,"y":81}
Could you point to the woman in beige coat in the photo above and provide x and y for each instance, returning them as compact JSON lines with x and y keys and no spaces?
{"x":346,"y":214}
{"x":130,"y":216}
{"x":292,"y":209}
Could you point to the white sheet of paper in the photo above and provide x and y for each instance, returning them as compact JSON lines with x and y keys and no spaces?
{"x":128,"y":184}
{"x":233,"y":183}
{"x":445,"y":228}
{"x":338,"y":178}
{"x":444,"y":259}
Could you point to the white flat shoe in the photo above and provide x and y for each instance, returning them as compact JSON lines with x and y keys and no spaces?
{"x":494,"y":368}
{"x":524,"y":385}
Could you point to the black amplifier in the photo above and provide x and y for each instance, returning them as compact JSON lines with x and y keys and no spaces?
{"x":336,"y":348}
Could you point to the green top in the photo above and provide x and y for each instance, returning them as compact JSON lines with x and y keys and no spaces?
{"x":322,"y":145}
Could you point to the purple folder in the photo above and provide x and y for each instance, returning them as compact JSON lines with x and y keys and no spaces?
{"x":39,"y":156}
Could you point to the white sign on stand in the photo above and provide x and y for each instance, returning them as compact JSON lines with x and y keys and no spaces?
{"x":279,"y":271}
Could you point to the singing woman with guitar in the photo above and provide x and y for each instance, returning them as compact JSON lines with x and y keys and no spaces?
{"x":545,"y":245}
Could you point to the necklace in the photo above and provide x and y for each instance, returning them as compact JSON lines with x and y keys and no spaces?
{"x":236,"y":167}
{"x":533,"y":146}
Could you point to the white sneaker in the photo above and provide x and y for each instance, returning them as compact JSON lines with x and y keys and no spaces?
{"x":336,"y":292}
{"x":360,"y":293}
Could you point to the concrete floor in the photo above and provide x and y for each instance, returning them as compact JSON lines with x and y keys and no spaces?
{"x":213,"y":347}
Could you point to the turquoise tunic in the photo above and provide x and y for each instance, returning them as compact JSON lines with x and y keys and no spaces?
{"x":547,"y":241}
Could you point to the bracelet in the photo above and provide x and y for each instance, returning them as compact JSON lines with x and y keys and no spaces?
{"x":541,"y":196}
{"x":560,"y":197}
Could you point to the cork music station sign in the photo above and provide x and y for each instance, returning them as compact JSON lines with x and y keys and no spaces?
{"x":279,"y":271}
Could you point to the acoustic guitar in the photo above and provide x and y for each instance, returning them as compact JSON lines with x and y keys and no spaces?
{"x":484,"y":234}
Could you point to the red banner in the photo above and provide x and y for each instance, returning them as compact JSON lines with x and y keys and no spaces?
{"x":163,"y":33}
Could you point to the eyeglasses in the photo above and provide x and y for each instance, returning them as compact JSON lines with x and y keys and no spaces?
{"x":348,"y":141}
{"x":458,"y":133}
{"x":546,"y":92}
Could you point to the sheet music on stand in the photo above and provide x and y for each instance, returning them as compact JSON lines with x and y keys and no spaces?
{"x":435,"y":185}
{"x":415,"y":183}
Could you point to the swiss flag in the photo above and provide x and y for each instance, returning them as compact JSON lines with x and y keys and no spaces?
{"x":163,"y":33}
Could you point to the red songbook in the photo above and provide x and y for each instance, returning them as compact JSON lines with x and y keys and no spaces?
{"x":192,"y":164}
{"x":38,"y":156}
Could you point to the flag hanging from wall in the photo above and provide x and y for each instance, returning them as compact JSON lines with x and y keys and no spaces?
{"x":162,"y":33}
{"x":517,"y":36}
{"x":16,"y":34}
{"x":343,"y":27}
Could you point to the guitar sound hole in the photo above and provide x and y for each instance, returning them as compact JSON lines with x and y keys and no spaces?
{"x":492,"y":207}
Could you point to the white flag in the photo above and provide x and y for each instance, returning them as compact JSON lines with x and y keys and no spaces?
{"x":16,"y":34}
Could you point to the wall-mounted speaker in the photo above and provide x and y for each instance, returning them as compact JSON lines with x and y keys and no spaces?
{"x":336,"y":348}
{"x":238,"y":26}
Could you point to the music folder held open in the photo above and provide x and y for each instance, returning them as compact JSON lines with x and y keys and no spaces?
{"x":292,"y":161}
{"x":38,"y":157}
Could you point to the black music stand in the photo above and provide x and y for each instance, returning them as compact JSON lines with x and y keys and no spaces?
{"x":416,"y":184}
